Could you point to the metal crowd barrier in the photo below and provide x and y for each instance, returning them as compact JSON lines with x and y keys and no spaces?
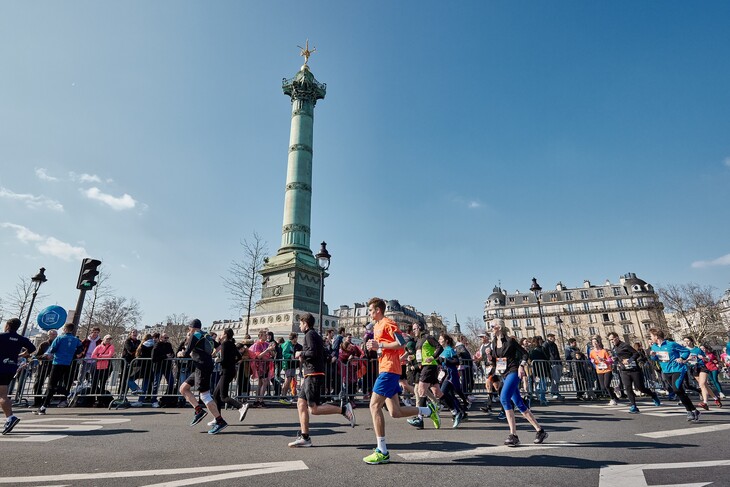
{"x":116,"y":383}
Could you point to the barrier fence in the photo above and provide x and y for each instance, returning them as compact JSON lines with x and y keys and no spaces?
{"x":117,"y":383}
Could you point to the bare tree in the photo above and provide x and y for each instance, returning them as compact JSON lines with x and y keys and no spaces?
{"x":101,"y":291}
{"x":17,"y":301}
{"x":176,"y":327}
{"x":116,"y":314}
{"x":697,"y":312}
{"x":243,"y":281}
{"x":471,"y":329}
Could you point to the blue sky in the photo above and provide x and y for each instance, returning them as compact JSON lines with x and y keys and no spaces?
{"x":460,"y":144}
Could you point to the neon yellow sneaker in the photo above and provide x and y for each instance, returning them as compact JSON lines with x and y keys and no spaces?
{"x":434,"y":415}
{"x":377,"y":457}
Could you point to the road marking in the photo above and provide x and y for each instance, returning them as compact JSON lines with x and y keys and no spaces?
{"x":686,"y":431}
{"x":42,"y":430}
{"x":241,"y":470}
{"x":651,"y":410}
{"x":633,"y":475}
{"x":483,"y":450}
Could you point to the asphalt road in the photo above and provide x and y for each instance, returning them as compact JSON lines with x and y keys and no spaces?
{"x":589,"y":445}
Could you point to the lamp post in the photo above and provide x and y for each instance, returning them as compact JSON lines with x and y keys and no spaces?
{"x":38,"y":279}
{"x":559,"y":323}
{"x":536,"y":290}
{"x":323,"y":262}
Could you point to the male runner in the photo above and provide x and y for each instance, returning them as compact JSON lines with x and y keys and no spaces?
{"x":388,"y":341}
{"x":630,"y":371}
{"x":309,"y":402}
{"x":672,"y":358}
{"x":11,"y":345}
{"x":64,"y":349}
{"x":428,"y":350}
{"x":200,"y":349}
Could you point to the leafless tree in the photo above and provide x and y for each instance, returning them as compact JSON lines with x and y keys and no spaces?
{"x":697,"y":312}
{"x":116,"y":314}
{"x":243,"y":281}
{"x":176,"y":327}
{"x":101,"y":291}
{"x":17,"y":301}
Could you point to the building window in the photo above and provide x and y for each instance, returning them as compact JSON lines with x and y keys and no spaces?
{"x":528,"y":322}
{"x":620,"y":303}
{"x":511,"y":300}
{"x":518,"y":334}
{"x":606,"y":317}
{"x":591,"y":318}
{"x":592,"y":330}
{"x":628,"y":329}
{"x":586,"y":307}
{"x":569,"y":307}
{"x":553,"y":297}
{"x":584,"y":295}
{"x":647,"y":326}
{"x":599,"y":293}
{"x":525,"y":299}
{"x":511,"y":311}
{"x":527,"y":311}
{"x":622,"y":316}
{"x":568,"y":296}
{"x":616,"y":291}
{"x":576,"y":331}
{"x":640,"y":302}
{"x":515,"y":323}
{"x":574,"y":319}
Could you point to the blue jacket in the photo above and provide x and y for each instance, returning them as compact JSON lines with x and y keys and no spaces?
{"x":694,"y":356}
{"x":64,"y":349}
{"x":667,"y":354}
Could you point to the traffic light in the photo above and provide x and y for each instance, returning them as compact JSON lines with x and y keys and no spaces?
{"x":87,"y":274}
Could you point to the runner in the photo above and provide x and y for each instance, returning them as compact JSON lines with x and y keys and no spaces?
{"x":603,"y":361}
{"x":697,"y":362}
{"x":200,"y":348}
{"x":312,"y":357}
{"x":388,"y":342}
{"x":427,"y":350}
{"x":449,"y":362}
{"x":510,"y":360}
{"x":230,"y":356}
{"x":64,"y":349}
{"x":11,"y":346}
{"x":628,"y":366}
{"x":672,"y":359}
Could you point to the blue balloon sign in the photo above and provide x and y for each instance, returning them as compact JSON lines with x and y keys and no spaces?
{"x":52,"y":318}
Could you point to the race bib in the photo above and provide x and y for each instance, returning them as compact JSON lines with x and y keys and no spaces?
{"x":602,"y":366}
{"x":692,"y":359}
{"x":630,"y":364}
{"x":662,"y":355}
{"x":501,"y":365}
{"x":419,"y":356}
{"x":442,"y":375}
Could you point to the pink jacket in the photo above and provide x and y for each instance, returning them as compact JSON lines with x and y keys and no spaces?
{"x":100,"y":352}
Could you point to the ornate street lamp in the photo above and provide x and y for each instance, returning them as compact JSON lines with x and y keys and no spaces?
{"x":38,"y":279}
{"x":559,"y":323}
{"x":323,"y":262}
{"x":537,"y":291}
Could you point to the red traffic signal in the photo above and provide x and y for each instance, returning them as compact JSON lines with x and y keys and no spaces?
{"x":87,"y":274}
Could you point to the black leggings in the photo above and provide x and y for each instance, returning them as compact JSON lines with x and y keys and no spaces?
{"x":634,"y":379}
{"x":676,"y":379}
{"x":604,"y":381}
{"x":220,"y":394}
{"x":60,"y":375}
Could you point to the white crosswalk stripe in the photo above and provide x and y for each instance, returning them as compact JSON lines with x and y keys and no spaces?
{"x":663,"y":411}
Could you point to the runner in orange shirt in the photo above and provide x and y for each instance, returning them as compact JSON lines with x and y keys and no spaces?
{"x":389,"y":342}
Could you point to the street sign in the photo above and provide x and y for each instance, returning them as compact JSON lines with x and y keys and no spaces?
{"x":52,"y":318}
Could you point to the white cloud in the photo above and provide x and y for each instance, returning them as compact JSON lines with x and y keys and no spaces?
{"x":124,"y":202}
{"x":720,"y":261}
{"x":46,"y":245}
{"x":474,"y":204}
{"x":30,"y":200}
{"x":43,"y":175}
{"x":84,"y":178}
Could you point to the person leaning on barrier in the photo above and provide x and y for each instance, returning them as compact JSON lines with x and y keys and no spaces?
{"x":130,"y":346}
{"x":101,"y":352}
{"x":42,"y":368}
{"x":162,"y":354}
{"x":556,"y":366}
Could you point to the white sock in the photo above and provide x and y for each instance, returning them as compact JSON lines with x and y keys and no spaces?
{"x":381,"y":445}
{"x":424,"y":411}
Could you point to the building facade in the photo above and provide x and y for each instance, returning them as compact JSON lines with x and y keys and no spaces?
{"x":356,"y":318}
{"x":629,"y":307}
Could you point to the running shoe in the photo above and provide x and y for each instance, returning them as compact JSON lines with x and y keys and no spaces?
{"x":672,"y":397}
{"x":718,"y":403}
{"x":657,"y":402}
{"x":349,"y":414}
{"x":539,"y":436}
{"x":217,"y":427}
{"x":434,"y":416}
{"x":10,"y":424}
{"x":211,"y":423}
{"x":512,"y":440}
{"x":485,"y":409}
{"x":703,"y":405}
{"x":722,"y":395}
{"x":457,"y":419}
{"x":502,"y":415}
{"x":633,"y":409}
{"x":300,"y":442}
{"x":612,"y":402}
{"x":155,"y":404}
{"x":198,"y":417}
{"x":377,"y":457}
{"x":695,"y":416}
{"x":285,"y":402}
{"x":417,"y":422}
{"x":242,"y":412}
{"x":41,"y":411}
{"x":690,"y":416}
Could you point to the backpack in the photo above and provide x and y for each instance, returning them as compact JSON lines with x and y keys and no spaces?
{"x":205,"y":344}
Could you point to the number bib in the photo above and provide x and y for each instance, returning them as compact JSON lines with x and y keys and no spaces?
{"x":662,"y":355}
{"x":692,"y":359}
{"x":501,"y":365}
{"x":419,"y":356}
{"x":602,"y":366}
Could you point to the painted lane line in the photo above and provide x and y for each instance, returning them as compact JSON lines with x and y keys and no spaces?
{"x":30,"y":438}
{"x":77,"y":420}
{"x":633,"y":475}
{"x":484,"y":450}
{"x":232,"y":475}
{"x":686,"y":431}
{"x":292,"y":465}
